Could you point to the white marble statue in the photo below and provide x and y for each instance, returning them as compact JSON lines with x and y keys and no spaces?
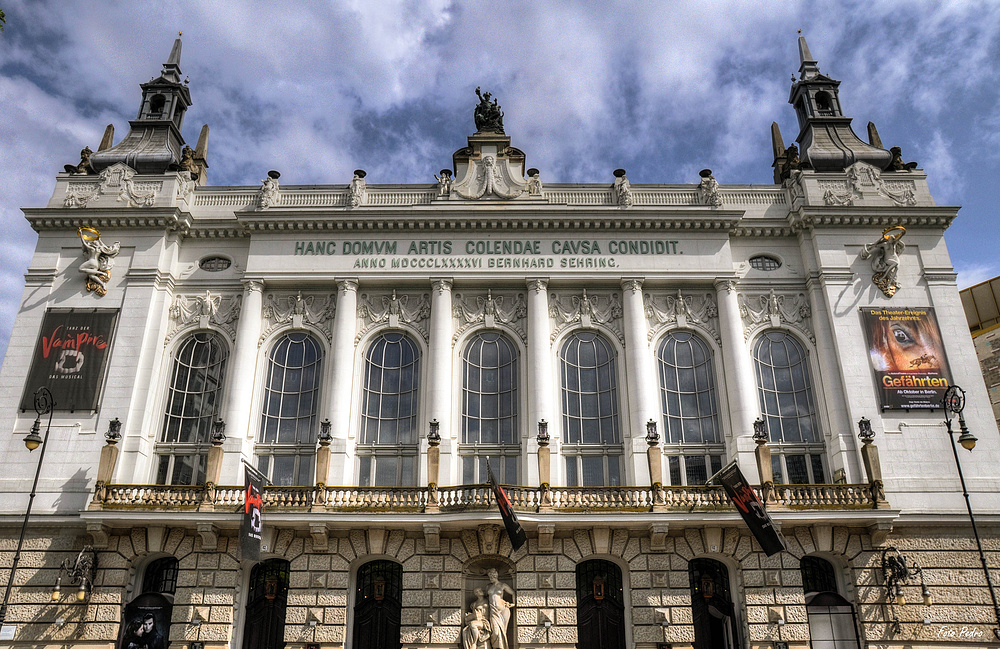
{"x":476,"y":633}
{"x":499,"y":610}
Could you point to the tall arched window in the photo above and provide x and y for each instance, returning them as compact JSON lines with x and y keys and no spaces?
{"x":592,"y":440}
{"x":160,"y":576}
{"x":378,"y":605}
{"x":712,"y":609}
{"x":489,"y":409}
{"x":196,"y":378}
{"x":387,"y":445}
{"x":286,"y":445}
{"x":267,"y":600}
{"x":688,"y":401}
{"x":832,"y":622}
{"x":600,"y":605}
{"x":786,"y":401}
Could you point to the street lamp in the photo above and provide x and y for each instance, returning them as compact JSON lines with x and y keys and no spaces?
{"x":954,"y":402}
{"x":43,"y":406}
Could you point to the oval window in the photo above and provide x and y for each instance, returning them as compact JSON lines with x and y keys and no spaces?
{"x":214,"y":264}
{"x":765,"y":262}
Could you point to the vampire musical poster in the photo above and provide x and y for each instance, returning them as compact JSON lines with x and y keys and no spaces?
{"x":907,"y":356}
{"x":147,"y":623}
{"x":70,"y":358}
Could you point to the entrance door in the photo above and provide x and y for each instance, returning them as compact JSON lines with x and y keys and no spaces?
{"x":600,"y":608}
{"x":712,"y":607}
{"x":265,"y":625}
{"x":378,"y":605}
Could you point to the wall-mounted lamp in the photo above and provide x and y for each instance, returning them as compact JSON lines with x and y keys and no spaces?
{"x":325,"y":434}
{"x":218,"y":431}
{"x":434,"y":434}
{"x":57,"y":589}
{"x":81,"y":571}
{"x":865,"y":432}
{"x":114,"y":431}
{"x":896,"y":570}
{"x":760,"y":430}
{"x":652,"y":437}
{"x":543,"y":433}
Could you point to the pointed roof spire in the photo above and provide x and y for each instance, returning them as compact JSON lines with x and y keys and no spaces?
{"x":172,"y":68}
{"x":807,"y":64}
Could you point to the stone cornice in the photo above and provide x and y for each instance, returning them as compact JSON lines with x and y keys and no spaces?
{"x":159,"y":218}
{"x":854,"y":217}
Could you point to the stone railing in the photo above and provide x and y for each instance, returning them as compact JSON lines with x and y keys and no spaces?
{"x":474,"y":497}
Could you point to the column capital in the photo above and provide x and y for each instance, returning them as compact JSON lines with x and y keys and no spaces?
{"x":538,"y":284}
{"x":441,"y":284}
{"x":252,"y":285}
{"x":633,"y":284}
{"x":729,"y":284}
{"x":347,"y":285}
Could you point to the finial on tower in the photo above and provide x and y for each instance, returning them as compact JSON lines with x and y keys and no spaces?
{"x":807,"y":64}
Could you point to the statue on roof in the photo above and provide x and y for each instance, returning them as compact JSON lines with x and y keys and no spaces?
{"x":488,"y":115}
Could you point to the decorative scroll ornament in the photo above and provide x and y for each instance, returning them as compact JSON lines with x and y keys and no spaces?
{"x":773,"y":310}
{"x":357,"y":191}
{"x":884,"y":254}
{"x":862,"y":178}
{"x":587,"y":310}
{"x":622,"y":189}
{"x":491,"y":311}
{"x":294,"y":311}
{"x":394,"y":310}
{"x":115,"y":179}
{"x":699,"y":311}
{"x":488,"y":177}
{"x":100,"y":260}
{"x":268,"y":195}
{"x":708,"y":189}
{"x":201,"y":311}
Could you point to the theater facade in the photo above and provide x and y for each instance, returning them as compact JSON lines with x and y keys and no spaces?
{"x":375,"y":350}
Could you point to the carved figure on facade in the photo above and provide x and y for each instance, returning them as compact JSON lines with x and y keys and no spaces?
{"x":476,"y":633}
{"x":774,"y":310}
{"x":395,"y":310}
{"x":83,"y":167}
{"x":587,"y":310}
{"x":491,"y":311}
{"x":100,"y":259}
{"x":116,"y":178}
{"x":897,"y":163}
{"x":444,"y":182}
{"x":204,"y":310}
{"x":187,"y":162}
{"x":488,"y":116}
{"x":708,"y":189}
{"x":499,"y":609}
{"x":357,"y":191}
{"x":185,"y":185}
{"x":692,"y":310}
{"x":268,"y":195}
{"x":862,"y":178}
{"x":622,"y":189}
{"x":792,"y":166}
{"x":884,"y":253}
{"x":535,"y":183}
{"x":296,"y":311}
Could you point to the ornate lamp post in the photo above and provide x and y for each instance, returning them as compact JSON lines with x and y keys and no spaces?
{"x":954,"y":402}
{"x":43,"y":406}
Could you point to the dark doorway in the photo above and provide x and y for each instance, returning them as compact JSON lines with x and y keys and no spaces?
{"x":378,"y":605}
{"x":266,"y":601}
{"x":712,"y":607}
{"x":600,"y":605}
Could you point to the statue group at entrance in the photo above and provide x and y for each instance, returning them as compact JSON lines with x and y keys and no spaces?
{"x":488,"y":617}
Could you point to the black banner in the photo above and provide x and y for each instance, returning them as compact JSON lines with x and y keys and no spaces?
{"x":147,"y":623}
{"x":514,"y":530}
{"x":253,"y":507}
{"x":751,"y":509}
{"x":70,"y":358}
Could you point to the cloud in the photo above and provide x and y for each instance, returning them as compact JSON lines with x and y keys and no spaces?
{"x":973,"y":274}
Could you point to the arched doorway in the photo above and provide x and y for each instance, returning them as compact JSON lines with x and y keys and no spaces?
{"x":266,"y":601}
{"x":600,"y":605}
{"x":713,"y":612}
{"x":832,"y":620}
{"x":378,"y":605}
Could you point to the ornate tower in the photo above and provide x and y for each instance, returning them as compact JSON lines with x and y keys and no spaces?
{"x":825,"y":135}
{"x":154,"y":142}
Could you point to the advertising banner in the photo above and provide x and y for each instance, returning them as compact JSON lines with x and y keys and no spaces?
{"x":253,"y":506}
{"x":907,"y":356}
{"x":147,"y":623}
{"x":750,"y":508}
{"x":71,"y":358}
{"x":514,"y":530}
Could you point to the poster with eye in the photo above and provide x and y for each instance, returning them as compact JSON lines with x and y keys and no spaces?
{"x":907,"y":356}
{"x":70,"y":358}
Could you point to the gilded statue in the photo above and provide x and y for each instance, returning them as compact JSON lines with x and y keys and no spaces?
{"x":100,"y":260}
{"x":884,"y":254}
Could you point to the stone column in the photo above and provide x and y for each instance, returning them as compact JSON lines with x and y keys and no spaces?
{"x":433,"y":466}
{"x":873,"y":468}
{"x":640,"y":372}
{"x":345,"y":326}
{"x":440,"y":361}
{"x":764,"y":467}
{"x":322,"y":465}
{"x":538,"y":366}
{"x":654,"y":457}
{"x":544,"y":466}
{"x":242,"y":377}
{"x":105,"y":471}
{"x":212,"y":472}
{"x":741,"y":384}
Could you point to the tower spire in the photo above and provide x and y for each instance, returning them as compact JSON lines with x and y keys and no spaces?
{"x":808,"y":68}
{"x":172,"y":68}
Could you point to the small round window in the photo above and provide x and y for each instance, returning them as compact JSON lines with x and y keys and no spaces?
{"x":214,"y":264}
{"x":765,"y":262}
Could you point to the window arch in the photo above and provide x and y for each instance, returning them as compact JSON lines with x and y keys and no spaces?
{"x":600,"y":605}
{"x":378,"y":605}
{"x":712,"y":610}
{"x":786,"y":401}
{"x":387,"y":444}
{"x":193,"y":400}
{"x":286,"y":444}
{"x":267,"y":601}
{"x":490,"y":408}
{"x":160,"y":576}
{"x":592,"y":440}
{"x":688,"y":403}
{"x":832,"y":619}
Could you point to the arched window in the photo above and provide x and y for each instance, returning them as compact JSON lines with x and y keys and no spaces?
{"x":286,"y":444}
{"x":489,"y":409}
{"x":600,"y":605}
{"x":592,"y":440}
{"x":832,"y":621}
{"x":786,"y":401}
{"x":712,"y":609}
{"x":160,"y":576}
{"x":378,"y":605}
{"x":193,"y":400}
{"x":266,"y":603}
{"x":688,"y":401}
{"x":387,"y":445}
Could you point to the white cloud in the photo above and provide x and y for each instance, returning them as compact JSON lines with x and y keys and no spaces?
{"x":973,"y":274}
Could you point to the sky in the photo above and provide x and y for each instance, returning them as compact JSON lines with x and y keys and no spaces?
{"x":318,"y":89}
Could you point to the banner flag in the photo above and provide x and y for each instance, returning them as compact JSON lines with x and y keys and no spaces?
{"x":750,"y":508}
{"x":253,"y":506}
{"x":514,"y":530}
